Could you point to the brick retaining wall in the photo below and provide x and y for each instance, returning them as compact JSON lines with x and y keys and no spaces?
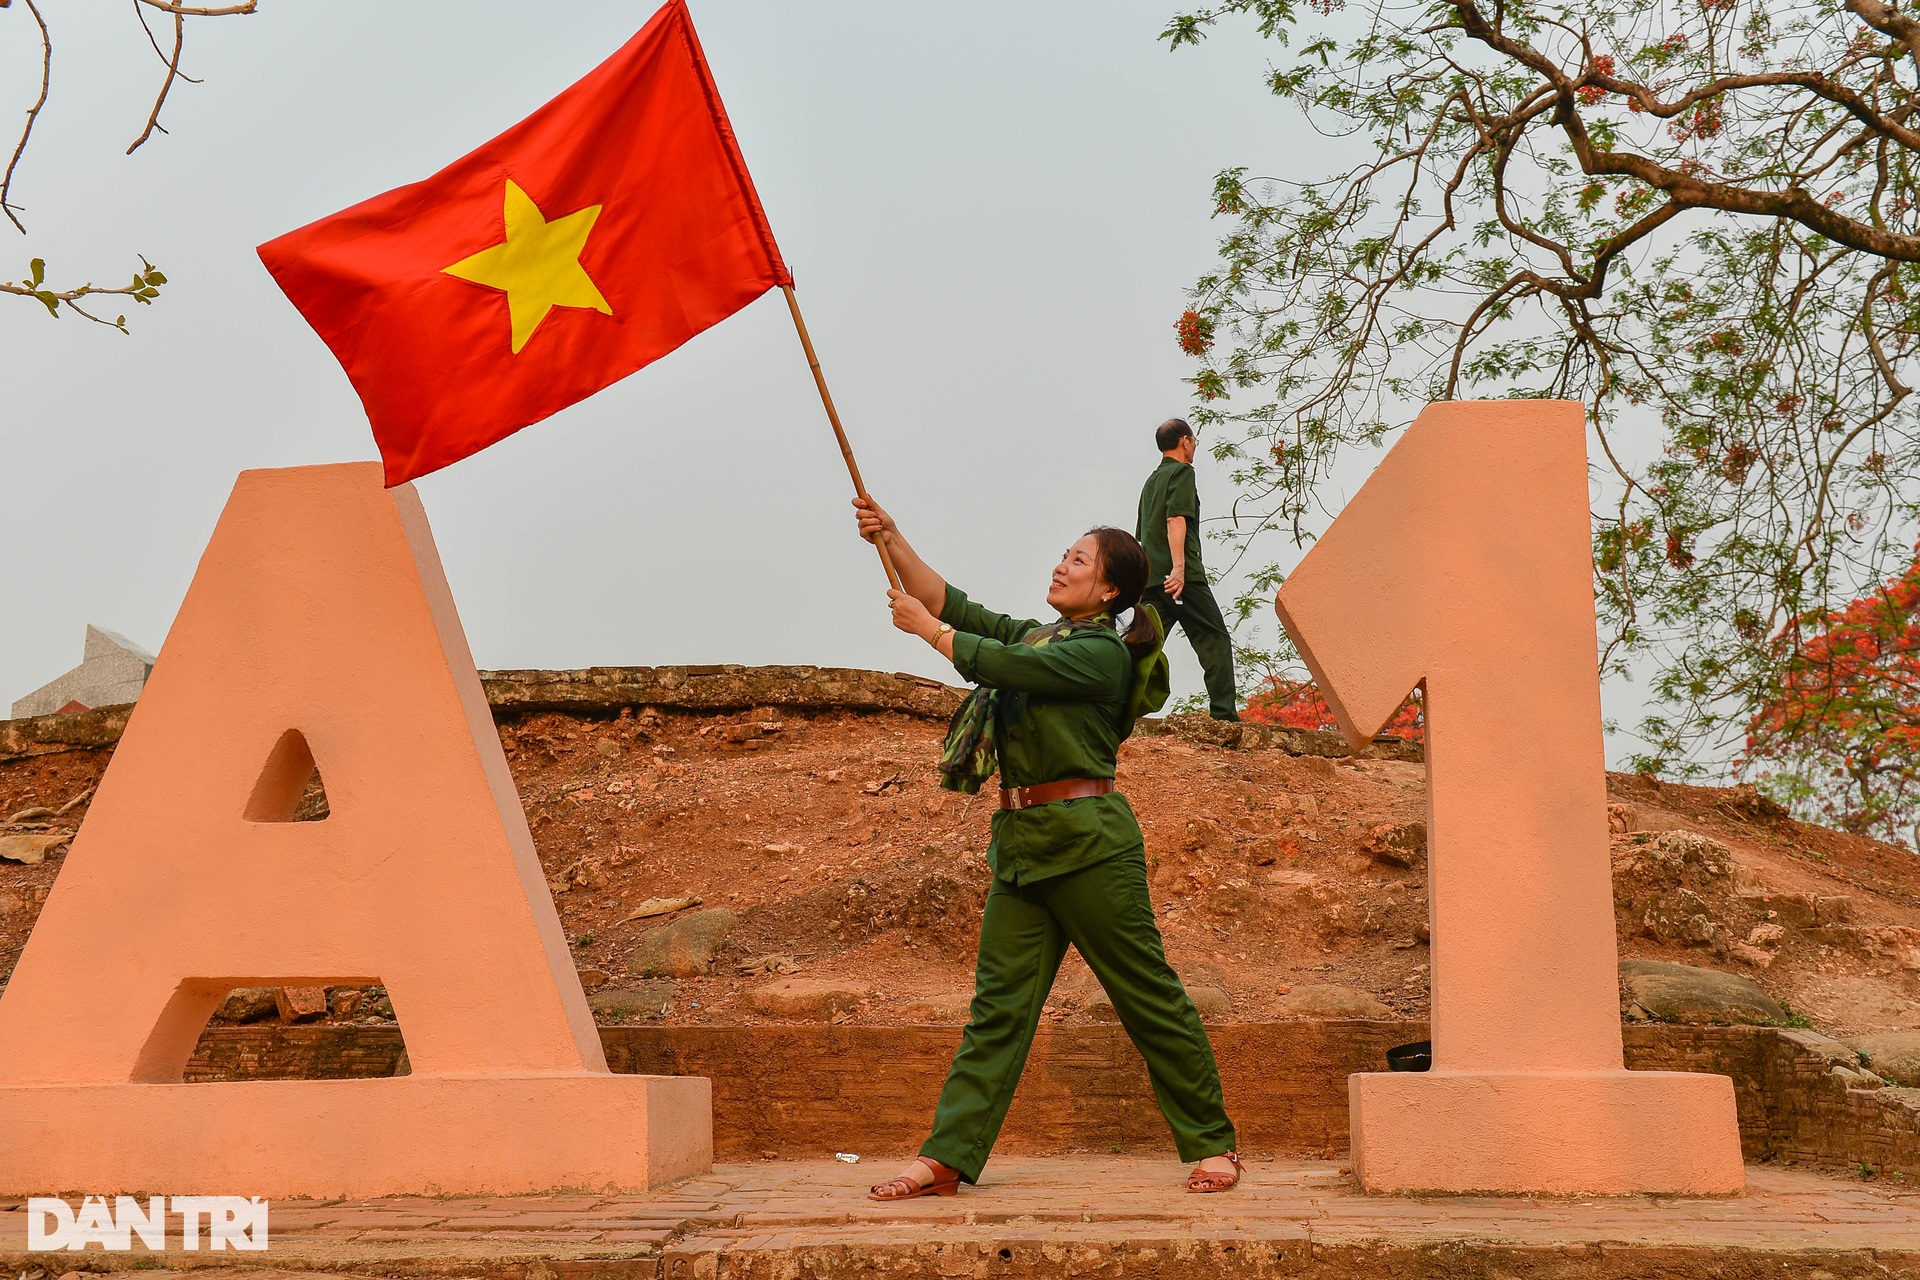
{"x":809,"y":1090}
{"x":798,"y":1092}
{"x":1815,"y":1117}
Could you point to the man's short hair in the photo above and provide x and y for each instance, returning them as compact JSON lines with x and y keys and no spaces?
{"x":1170,"y":433}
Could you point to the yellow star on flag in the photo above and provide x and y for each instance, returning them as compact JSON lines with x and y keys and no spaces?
{"x":537,"y":266}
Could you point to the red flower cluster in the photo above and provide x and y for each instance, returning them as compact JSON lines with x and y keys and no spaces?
{"x":1725,"y":342}
{"x":1297,"y":704}
{"x":1679,"y":554}
{"x":1704,"y":121}
{"x":1195,"y":331}
{"x":1592,"y":93}
{"x":1738,"y":462}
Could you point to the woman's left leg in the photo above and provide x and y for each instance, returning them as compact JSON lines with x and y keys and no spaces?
{"x":1107,"y":915}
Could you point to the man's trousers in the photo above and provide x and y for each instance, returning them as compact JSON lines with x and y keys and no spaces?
{"x":1198,"y":614}
{"x":1104,"y":912}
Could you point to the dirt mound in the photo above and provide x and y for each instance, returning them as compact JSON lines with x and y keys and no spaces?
{"x":840,"y":861}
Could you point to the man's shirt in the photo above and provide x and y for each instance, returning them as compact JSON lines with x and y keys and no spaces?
{"x":1170,"y":491}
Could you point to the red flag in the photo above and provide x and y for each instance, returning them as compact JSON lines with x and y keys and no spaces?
{"x":590,"y":239}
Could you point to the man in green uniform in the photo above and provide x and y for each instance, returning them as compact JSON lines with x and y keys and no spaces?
{"x":1169,"y":530}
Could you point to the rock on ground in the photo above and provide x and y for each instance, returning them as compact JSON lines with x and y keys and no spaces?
{"x":30,"y":849}
{"x":1892,"y":1055}
{"x":1399,"y":844}
{"x":300,"y":1004}
{"x":1211,"y":1002}
{"x":808,"y":999}
{"x":1678,"y":851}
{"x":1316,"y":1000}
{"x":249,"y":1004}
{"x":685,"y":948}
{"x":940,"y":1010}
{"x":641,"y":1000}
{"x":1684,"y":993}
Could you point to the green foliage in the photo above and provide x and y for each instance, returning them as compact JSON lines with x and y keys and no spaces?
{"x":1792,"y":1022}
{"x":1192,"y":704}
{"x":143,"y":289}
{"x":1699,"y":217}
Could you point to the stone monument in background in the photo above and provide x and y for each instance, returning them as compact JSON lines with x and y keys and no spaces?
{"x":112,"y":670}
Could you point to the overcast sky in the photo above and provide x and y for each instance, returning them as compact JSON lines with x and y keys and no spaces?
{"x":992,"y":212}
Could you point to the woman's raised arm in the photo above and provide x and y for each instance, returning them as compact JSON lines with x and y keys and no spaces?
{"x":919,"y":580}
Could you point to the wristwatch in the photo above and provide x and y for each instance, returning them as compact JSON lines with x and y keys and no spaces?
{"x":946,"y":629}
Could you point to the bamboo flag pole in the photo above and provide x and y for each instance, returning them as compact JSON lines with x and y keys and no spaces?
{"x":839,"y":432}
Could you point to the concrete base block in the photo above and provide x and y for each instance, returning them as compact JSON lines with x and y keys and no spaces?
{"x":1560,"y":1132}
{"x":408,"y":1135}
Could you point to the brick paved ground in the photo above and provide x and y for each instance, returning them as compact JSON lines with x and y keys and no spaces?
{"x":1106,"y":1215}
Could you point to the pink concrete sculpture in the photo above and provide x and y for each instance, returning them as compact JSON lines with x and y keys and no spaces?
{"x":1464,"y":564}
{"x":319,"y":628}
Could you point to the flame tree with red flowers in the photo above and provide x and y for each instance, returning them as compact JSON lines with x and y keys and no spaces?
{"x":1841,"y":735}
{"x":1699,"y":217}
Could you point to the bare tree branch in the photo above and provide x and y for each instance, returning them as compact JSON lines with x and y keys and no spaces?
{"x":33,"y":114}
{"x":166,"y":84}
{"x":190,"y":11}
{"x":145,"y":286}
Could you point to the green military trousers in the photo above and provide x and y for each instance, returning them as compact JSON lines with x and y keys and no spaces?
{"x":1104,"y":912}
{"x":1198,"y":614}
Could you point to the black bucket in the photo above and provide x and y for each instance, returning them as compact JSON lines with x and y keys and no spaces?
{"x":1417,"y":1056}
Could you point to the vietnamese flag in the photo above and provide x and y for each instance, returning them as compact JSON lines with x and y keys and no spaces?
{"x":590,"y":239}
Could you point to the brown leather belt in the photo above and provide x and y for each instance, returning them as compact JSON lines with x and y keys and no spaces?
{"x":1017,"y":798}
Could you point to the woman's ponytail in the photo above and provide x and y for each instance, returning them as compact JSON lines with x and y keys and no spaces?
{"x":1141,"y":636}
{"x":1123,"y":566}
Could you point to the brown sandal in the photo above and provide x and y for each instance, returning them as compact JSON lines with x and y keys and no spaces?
{"x":946,"y":1182}
{"x":1204,"y":1180}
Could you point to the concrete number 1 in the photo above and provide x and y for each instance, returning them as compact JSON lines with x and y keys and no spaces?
{"x":1464,"y":564}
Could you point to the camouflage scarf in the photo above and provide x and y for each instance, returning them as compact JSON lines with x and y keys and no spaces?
{"x":969,"y":757}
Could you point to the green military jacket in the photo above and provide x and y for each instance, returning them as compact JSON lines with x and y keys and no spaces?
{"x":1170,"y":491}
{"x":1063,"y":715}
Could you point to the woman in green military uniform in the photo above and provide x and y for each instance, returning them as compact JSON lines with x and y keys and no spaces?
{"x":1069,"y":864}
